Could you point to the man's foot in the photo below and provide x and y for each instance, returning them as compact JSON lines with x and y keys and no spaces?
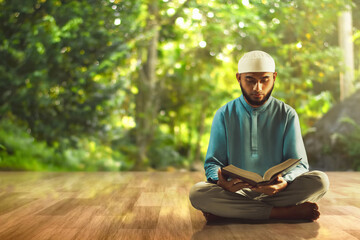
{"x":210,"y":218}
{"x":304,"y":211}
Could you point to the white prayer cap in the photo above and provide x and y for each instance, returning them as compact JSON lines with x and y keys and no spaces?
{"x":256,"y":61}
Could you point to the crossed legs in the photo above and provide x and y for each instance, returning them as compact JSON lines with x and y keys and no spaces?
{"x":295,"y":202}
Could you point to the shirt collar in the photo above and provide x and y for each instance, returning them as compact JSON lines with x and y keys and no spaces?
{"x":250,"y":109}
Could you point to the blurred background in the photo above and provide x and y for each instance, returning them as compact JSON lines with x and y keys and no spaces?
{"x":116,"y":85}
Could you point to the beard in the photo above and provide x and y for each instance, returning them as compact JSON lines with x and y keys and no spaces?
{"x":254,"y":102}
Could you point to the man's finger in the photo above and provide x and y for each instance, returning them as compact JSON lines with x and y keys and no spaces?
{"x":238,"y":186}
{"x":221,"y":178}
{"x":237,"y":180}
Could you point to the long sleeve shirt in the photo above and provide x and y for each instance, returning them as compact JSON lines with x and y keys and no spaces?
{"x":255,"y":139}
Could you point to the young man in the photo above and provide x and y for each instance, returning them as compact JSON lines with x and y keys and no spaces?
{"x":255,"y":132}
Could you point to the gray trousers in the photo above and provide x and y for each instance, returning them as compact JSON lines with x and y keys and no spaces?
{"x":248,"y":204}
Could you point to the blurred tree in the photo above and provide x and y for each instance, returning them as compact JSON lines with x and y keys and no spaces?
{"x":147,"y":84}
{"x":347,"y":49}
{"x":57,"y":62}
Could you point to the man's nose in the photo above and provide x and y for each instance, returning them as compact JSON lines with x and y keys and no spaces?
{"x":258,"y":87}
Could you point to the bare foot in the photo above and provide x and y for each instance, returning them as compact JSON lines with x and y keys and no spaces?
{"x":304,"y":211}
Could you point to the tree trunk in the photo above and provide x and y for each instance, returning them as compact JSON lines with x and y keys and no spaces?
{"x":146,"y":99}
{"x":347,"y":48}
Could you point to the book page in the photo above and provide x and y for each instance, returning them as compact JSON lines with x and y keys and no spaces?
{"x":241,"y":173}
{"x":271,"y":172}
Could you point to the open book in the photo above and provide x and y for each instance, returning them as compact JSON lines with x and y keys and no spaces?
{"x":255,"y":179}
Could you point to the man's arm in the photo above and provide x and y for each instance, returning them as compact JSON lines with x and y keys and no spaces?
{"x":216,"y":155}
{"x":294,"y":147}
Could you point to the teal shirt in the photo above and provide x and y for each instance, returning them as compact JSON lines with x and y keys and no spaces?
{"x":255,"y":139}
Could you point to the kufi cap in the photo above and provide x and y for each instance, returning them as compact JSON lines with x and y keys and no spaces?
{"x":256,"y":61}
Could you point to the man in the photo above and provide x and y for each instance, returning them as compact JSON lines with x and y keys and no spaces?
{"x":255,"y":132}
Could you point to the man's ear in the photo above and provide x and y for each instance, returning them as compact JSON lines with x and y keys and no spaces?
{"x":238,"y":77}
{"x":274,"y":76}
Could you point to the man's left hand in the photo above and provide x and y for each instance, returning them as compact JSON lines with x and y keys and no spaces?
{"x":279,"y":185}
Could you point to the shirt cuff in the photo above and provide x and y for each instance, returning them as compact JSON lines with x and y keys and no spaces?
{"x":210,"y":180}
{"x":212,"y":173}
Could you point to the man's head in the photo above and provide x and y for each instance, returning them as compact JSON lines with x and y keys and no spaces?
{"x":256,"y":77}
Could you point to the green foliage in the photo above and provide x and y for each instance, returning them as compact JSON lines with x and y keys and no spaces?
{"x":20,"y":151}
{"x":90,"y":155}
{"x":57,"y":62}
{"x":349,"y":144}
{"x":313,"y":109}
{"x":163,"y":153}
{"x":72,"y":73}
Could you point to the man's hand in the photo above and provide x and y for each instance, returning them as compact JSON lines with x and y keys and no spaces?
{"x":233,"y":186}
{"x":279,"y":185}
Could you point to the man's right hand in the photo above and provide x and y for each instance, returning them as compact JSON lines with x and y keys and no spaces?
{"x":233,"y":185}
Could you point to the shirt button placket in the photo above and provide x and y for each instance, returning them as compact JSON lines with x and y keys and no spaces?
{"x":254,"y":142}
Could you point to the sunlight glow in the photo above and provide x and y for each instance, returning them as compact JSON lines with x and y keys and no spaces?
{"x":246,"y":3}
{"x":181,"y":23}
{"x":276,"y":21}
{"x":202,"y":44}
{"x":230,"y":47}
{"x":117,"y":21}
{"x":168,"y":46}
{"x":170,"y":11}
{"x":263,"y":24}
{"x":196,"y":14}
{"x":128,"y":122}
{"x":223,"y":58}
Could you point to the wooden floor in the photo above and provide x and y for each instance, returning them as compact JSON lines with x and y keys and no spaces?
{"x":150,"y":205}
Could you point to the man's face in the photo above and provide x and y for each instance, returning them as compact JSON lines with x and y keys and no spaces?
{"x":256,"y":86}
